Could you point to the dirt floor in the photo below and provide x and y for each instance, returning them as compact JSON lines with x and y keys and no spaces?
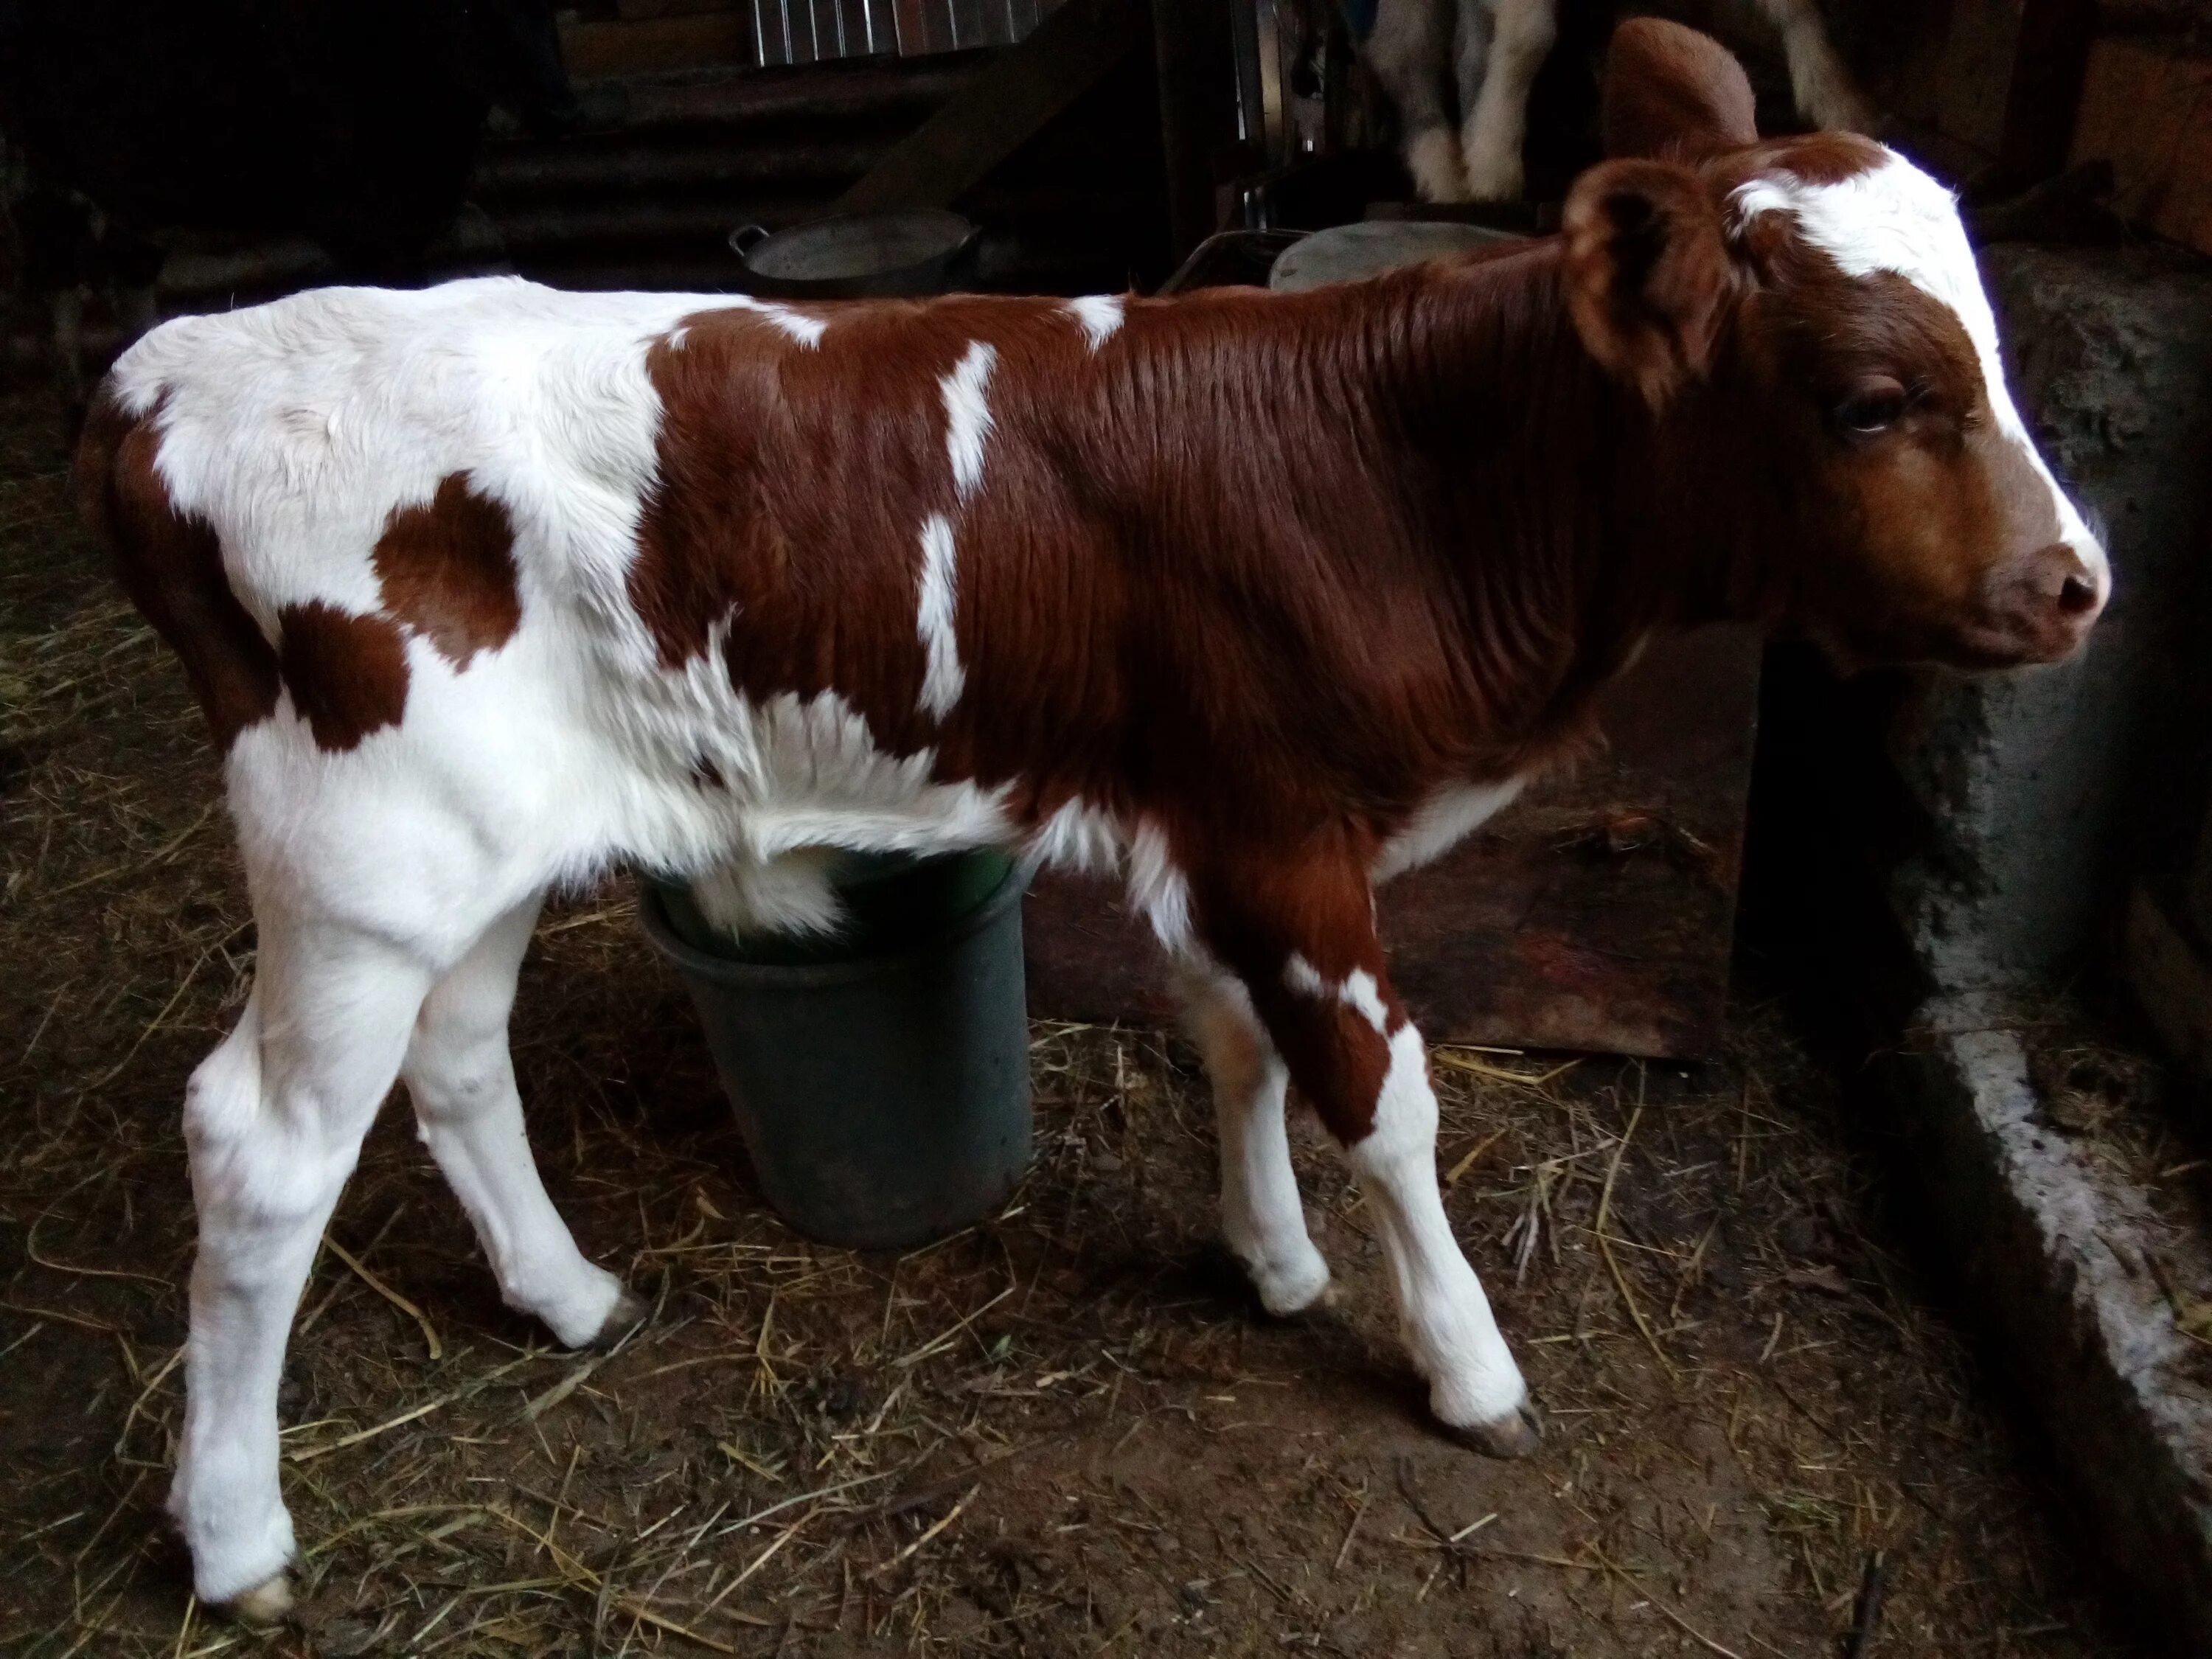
{"x":1065,"y":1432}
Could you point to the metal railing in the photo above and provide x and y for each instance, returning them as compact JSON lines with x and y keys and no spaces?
{"x":818,"y":31}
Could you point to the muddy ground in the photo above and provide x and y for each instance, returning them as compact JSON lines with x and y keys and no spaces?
{"x":1067,"y":1431}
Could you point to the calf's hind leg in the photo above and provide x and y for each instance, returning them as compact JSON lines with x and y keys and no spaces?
{"x":273,"y":1123}
{"x":460,"y":1076}
{"x":1301,"y":937}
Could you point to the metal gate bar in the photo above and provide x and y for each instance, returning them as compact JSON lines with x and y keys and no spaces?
{"x":787,"y":32}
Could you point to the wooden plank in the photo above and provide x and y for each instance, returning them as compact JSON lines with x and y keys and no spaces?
{"x":2199,"y":898}
{"x":661,"y":43}
{"x":1004,"y":105}
{"x":2168,"y":972}
{"x":634,"y":11}
{"x":2147,"y":108}
{"x":1597,"y":915}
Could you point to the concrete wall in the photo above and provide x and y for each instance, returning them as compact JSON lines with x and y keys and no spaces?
{"x":2046,"y":793}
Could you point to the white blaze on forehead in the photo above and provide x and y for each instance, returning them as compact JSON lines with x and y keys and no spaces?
{"x":942,"y":679}
{"x":967,"y":416}
{"x":1895,"y":218}
{"x":1099,"y":315}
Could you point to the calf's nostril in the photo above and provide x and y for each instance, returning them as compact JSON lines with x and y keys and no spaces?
{"x":2076,"y":595}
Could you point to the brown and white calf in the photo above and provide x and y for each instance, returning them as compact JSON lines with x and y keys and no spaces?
{"x":1258,"y":599}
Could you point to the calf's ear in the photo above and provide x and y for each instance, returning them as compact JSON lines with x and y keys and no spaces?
{"x":1646,"y":271}
{"x":1671,"y":93}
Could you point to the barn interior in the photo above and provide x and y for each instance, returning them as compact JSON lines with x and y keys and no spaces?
{"x":1822,"y":1065}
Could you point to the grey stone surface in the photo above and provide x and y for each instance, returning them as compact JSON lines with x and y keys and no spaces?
{"x":1344,"y":253}
{"x":2048,"y":790}
{"x":2045,"y":796}
{"x":2073,"y":1269}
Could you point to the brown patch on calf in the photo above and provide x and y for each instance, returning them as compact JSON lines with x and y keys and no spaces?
{"x":1256,"y":914}
{"x":171,"y":566}
{"x":347,"y":674}
{"x":445,"y":569}
{"x":793,"y":484}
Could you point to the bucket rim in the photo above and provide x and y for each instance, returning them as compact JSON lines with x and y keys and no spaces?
{"x":762,"y":975}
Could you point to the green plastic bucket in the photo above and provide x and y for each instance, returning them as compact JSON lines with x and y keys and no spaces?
{"x":881,"y":1079}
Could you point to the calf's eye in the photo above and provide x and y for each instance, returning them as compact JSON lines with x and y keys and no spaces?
{"x":1873,"y":406}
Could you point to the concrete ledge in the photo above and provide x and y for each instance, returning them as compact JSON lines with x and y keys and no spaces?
{"x":2080,"y":1281}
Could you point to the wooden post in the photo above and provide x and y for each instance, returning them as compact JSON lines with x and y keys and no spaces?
{"x":1191,"y":43}
{"x":2200,"y":884}
{"x":1008,"y":102}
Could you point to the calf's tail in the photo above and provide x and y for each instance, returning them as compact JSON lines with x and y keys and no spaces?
{"x":171,"y":565}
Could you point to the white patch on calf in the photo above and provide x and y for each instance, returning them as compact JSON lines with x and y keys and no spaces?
{"x":1158,"y":888}
{"x":1895,"y":218}
{"x":1440,"y":824}
{"x":942,"y":679}
{"x":1099,"y":315}
{"x":792,"y":894}
{"x":966,"y":426}
{"x":1078,"y":837}
{"x":968,"y":415}
{"x":806,"y":329}
{"x":1358,"y":991}
{"x":1453,"y":1337}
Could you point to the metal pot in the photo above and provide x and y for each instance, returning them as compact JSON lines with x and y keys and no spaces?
{"x":856,"y":256}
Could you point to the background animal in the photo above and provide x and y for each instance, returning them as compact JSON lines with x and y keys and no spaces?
{"x":353,"y":123}
{"x":1460,"y":72}
{"x":1256,"y":598}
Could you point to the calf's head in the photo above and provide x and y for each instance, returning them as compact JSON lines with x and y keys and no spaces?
{"x":1807,"y":317}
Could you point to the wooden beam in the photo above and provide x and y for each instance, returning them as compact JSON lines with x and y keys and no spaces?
{"x":2049,"y":58}
{"x":1007,"y":103}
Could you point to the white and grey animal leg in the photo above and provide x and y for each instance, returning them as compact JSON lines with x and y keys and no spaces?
{"x":1497,"y":120}
{"x":273,"y":1123}
{"x":460,"y":1076}
{"x":1410,"y":51}
{"x":1262,"y":1222}
{"x":65,"y":342}
{"x":1825,"y":91}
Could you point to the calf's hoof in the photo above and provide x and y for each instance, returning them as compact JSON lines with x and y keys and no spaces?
{"x":622,"y":1319}
{"x":1516,"y":1434}
{"x":269,"y":1602}
{"x":1433,"y":160}
{"x":1287,"y":1289}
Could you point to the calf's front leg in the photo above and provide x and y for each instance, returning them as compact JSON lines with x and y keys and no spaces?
{"x":1300,"y":937}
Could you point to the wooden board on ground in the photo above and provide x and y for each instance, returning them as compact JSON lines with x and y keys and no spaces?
{"x":1596,"y":913}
